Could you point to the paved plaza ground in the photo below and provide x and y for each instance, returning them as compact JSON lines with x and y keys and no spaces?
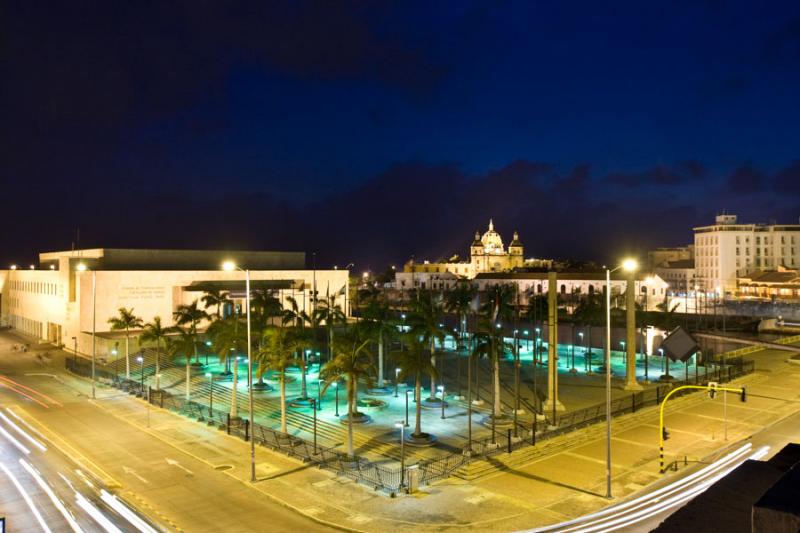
{"x":564,"y":478}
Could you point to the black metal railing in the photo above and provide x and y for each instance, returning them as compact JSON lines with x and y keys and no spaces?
{"x":388,"y":477}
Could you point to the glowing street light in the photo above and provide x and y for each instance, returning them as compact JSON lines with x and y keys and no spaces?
{"x":628,"y":265}
{"x":230,"y":266}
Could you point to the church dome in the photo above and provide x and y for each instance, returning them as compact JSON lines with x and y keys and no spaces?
{"x":492,"y":242}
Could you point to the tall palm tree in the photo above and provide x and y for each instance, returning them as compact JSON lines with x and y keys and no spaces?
{"x":155,"y":332}
{"x":264,"y":307}
{"x":351,"y":362}
{"x":379,"y":325}
{"x":190,"y":315}
{"x":297,"y":317}
{"x":277,"y":352}
{"x":414,"y":361}
{"x":215,"y":298}
{"x":229,"y":339}
{"x":459,"y":301}
{"x":496,"y":308}
{"x":182,"y":344}
{"x":330,"y":313}
{"x":126,"y":320}
{"x":425,"y":319}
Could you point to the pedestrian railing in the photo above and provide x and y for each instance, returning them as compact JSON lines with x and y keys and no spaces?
{"x":389,"y":478}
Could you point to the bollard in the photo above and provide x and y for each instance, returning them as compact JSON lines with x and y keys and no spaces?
{"x":246,"y":430}
{"x":509,"y":440}
{"x":533,"y":432}
{"x":228,"y":423}
{"x":633,"y":402}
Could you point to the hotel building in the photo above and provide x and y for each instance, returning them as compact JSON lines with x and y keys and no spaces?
{"x":727,"y":250}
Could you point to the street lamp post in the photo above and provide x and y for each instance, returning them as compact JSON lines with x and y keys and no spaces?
{"x":585,"y":367}
{"x":140,"y":359}
{"x":396,"y":380}
{"x":210,"y":377}
{"x":319,"y":394}
{"x":402,"y":453}
{"x":336,"y":386}
{"x":229,"y":266}
{"x":407,"y":393}
{"x":440,"y":388}
{"x":314,"y":407}
{"x":82,"y":268}
{"x":629,"y":265}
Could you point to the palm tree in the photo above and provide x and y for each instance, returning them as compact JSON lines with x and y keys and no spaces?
{"x":182,"y":344}
{"x":190,"y":315}
{"x":264,"y":306}
{"x":155,"y":332}
{"x":414,"y":362}
{"x":126,"y":320}
{"x":425,"y":319}
{"x":277,"y":353}
{"x":331,"y":313}
{"x":379,"y":324}
{"x":298,"y":317}
{"x":216,"y":298}
{"x":497,"y":307}
{"x":229,"y":338}
{"x":351,"y":362}
{"x":459,"y":302}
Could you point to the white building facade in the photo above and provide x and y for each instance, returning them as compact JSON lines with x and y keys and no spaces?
{"x":55,"y":303}
{"x":727,"y":250}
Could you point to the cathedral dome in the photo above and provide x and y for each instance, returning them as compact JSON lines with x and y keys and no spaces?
{"x":492,"y":242}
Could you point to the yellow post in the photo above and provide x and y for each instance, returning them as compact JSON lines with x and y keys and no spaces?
{"x":661,"y":414}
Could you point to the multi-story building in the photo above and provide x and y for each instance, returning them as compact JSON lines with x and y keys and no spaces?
{"x":55,"y":302}
{"x":680,"y":275}
{"x":727,"y":250}
{"x":660,"y":256}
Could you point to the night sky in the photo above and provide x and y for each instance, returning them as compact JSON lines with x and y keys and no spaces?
{"x":370,"y":131}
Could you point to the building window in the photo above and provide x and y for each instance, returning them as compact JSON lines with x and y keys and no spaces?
{"x":737,"y":250}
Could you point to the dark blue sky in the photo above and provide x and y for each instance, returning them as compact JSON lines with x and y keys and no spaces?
{"x":371,"y":131}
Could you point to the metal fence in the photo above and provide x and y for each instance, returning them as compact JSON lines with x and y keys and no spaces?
{"x":388,"y":477}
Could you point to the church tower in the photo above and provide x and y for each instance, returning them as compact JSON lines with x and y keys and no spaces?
{"x":515,"y":252}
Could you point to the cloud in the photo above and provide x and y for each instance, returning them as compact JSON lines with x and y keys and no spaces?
{"x":659,"y":175}
{"x":746,"y":179}
{"x":787,"y":180}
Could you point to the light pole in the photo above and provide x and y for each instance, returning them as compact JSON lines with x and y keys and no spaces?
{"x":210,"y":377}
{"x":402,"y":452}
{"x":629,"y":265}
{"x":230,"y":266}
{"x":396,"y":380}
{"x":140,"y":359}
{"x":314,"y":407}
{"x":407,"y":393}
{"x":336,"y":386}
{"x":440,"y":388}
{"x":82,"y":268}
{"x":585,"y":367}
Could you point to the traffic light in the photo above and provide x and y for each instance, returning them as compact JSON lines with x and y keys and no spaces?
{"x":743,"y":397}
{"x":664,"y":433}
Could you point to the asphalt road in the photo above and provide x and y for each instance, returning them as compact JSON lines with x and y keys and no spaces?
{"x":168,"y":488}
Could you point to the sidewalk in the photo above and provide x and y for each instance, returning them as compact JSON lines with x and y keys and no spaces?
{"x":565,"y":480}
